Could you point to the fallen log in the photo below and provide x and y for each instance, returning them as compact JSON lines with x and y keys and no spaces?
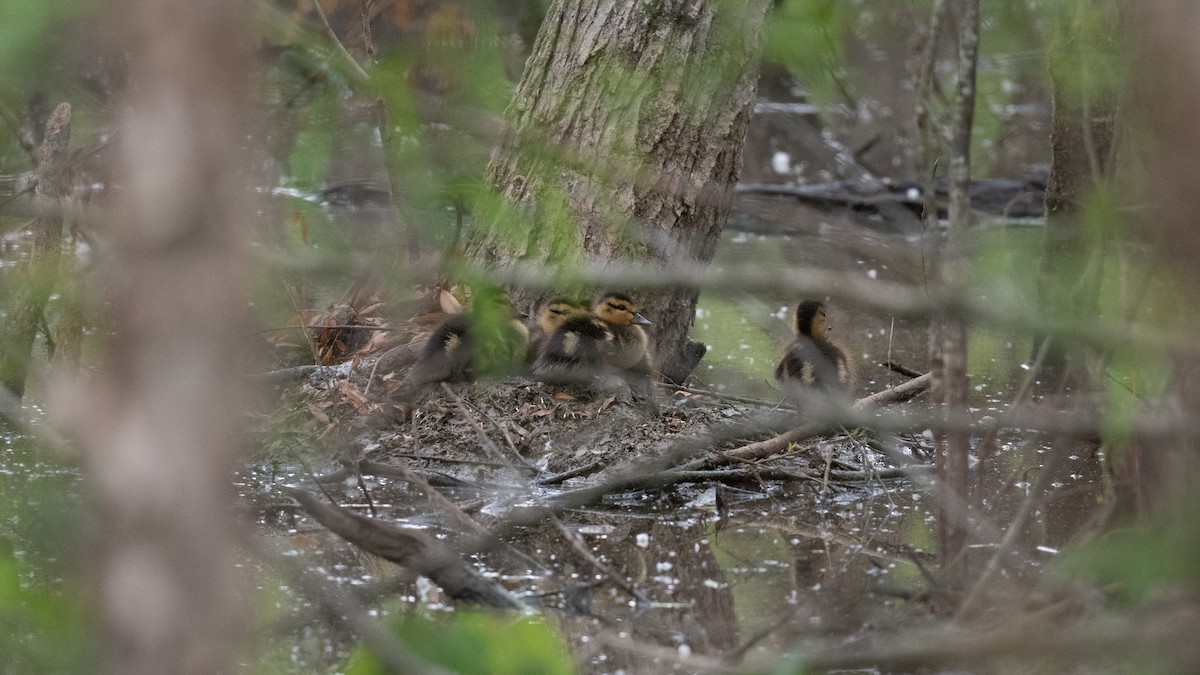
{"x":997,"y":196}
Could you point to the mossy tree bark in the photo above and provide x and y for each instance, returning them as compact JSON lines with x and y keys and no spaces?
{"x":624,"y":143}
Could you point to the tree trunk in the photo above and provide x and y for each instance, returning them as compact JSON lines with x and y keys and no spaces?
{"x":25,"y":315}
{"x":948,"y":345}
{"x":948,"y":333}
{"x":624,"y":142}
{"x":1081,"y":141}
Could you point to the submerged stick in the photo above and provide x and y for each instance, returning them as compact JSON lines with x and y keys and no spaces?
{"x":409,"y":549}
{"x":761,"y":449}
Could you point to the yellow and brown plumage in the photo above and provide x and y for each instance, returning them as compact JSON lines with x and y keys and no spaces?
{"x":631,"y":345}
{"x":630,"y":354}
{"x":554,"y":313}
{"x":575,"y":350}
{"x":490,"y":339}
{"x":812,"y":359}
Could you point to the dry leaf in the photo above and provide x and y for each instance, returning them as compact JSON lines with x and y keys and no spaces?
{"x":299,"y":219}
{"x":449,"y":303}
{"x":352,"y":394}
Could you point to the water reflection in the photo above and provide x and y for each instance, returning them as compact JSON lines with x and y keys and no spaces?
{"x":40,"y":515}
{"x":716,"y":567}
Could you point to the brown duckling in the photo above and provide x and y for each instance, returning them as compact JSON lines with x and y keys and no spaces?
{"x":812,"y":359}
{"x":631,"y":345}
{"x":574,"y":351}
{"x":553,"y":314}
{"x":630,"y":353}
{"x":489,"y":339}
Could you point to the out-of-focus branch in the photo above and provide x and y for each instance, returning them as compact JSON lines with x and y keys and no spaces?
{"x":1167,"y":74}
{"x":23,"y":134}
{"x":898,"y":299}
{"x":351,"y":62}
{"x":160,"y":423}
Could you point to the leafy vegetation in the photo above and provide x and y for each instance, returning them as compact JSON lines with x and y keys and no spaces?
{"x":491,"y":638}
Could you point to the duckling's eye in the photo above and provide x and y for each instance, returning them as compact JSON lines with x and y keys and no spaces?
{"x":621,"y":308}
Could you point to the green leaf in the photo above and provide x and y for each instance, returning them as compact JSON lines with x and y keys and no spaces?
{"x":24,"y":30}
{"x":310,"y":156}
{"x":1135,"y":562}
{"x":474,"y":641}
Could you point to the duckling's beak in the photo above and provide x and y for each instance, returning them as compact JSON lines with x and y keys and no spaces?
{"x":641,"y":320}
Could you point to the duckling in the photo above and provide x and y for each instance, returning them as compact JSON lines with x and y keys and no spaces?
{"x":575,"y":350}
{"x":631,"y":345}
{"x":490,"y":338}
{"x":553,"y":314}
{"x":629,"y":353}
{"x":812,"y":359}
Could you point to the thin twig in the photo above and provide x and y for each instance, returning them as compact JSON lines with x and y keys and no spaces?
{"x":512,"y":447}
{"x":469,"y":417}
{"x":448,"y":460}
{"x":436,"y":499}
{"x":355,"y":68}
{"x":726,"y":398}
{"x":581,"y":549}
{"x":567,"y":475}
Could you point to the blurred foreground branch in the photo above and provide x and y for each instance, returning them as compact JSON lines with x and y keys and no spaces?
{"x":160,"y":424}
{"x":900,"y":300}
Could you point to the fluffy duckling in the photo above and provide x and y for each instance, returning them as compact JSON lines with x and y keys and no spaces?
{"x":553,"y":315}
{"x":631,"y":345}
{"x":491,"y":338}
{"x":629,"y":353}
{"x":575,"y":350}
{"x":812,"y":360}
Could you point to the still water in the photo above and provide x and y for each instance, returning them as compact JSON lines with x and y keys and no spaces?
{"x":747,"y":332}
